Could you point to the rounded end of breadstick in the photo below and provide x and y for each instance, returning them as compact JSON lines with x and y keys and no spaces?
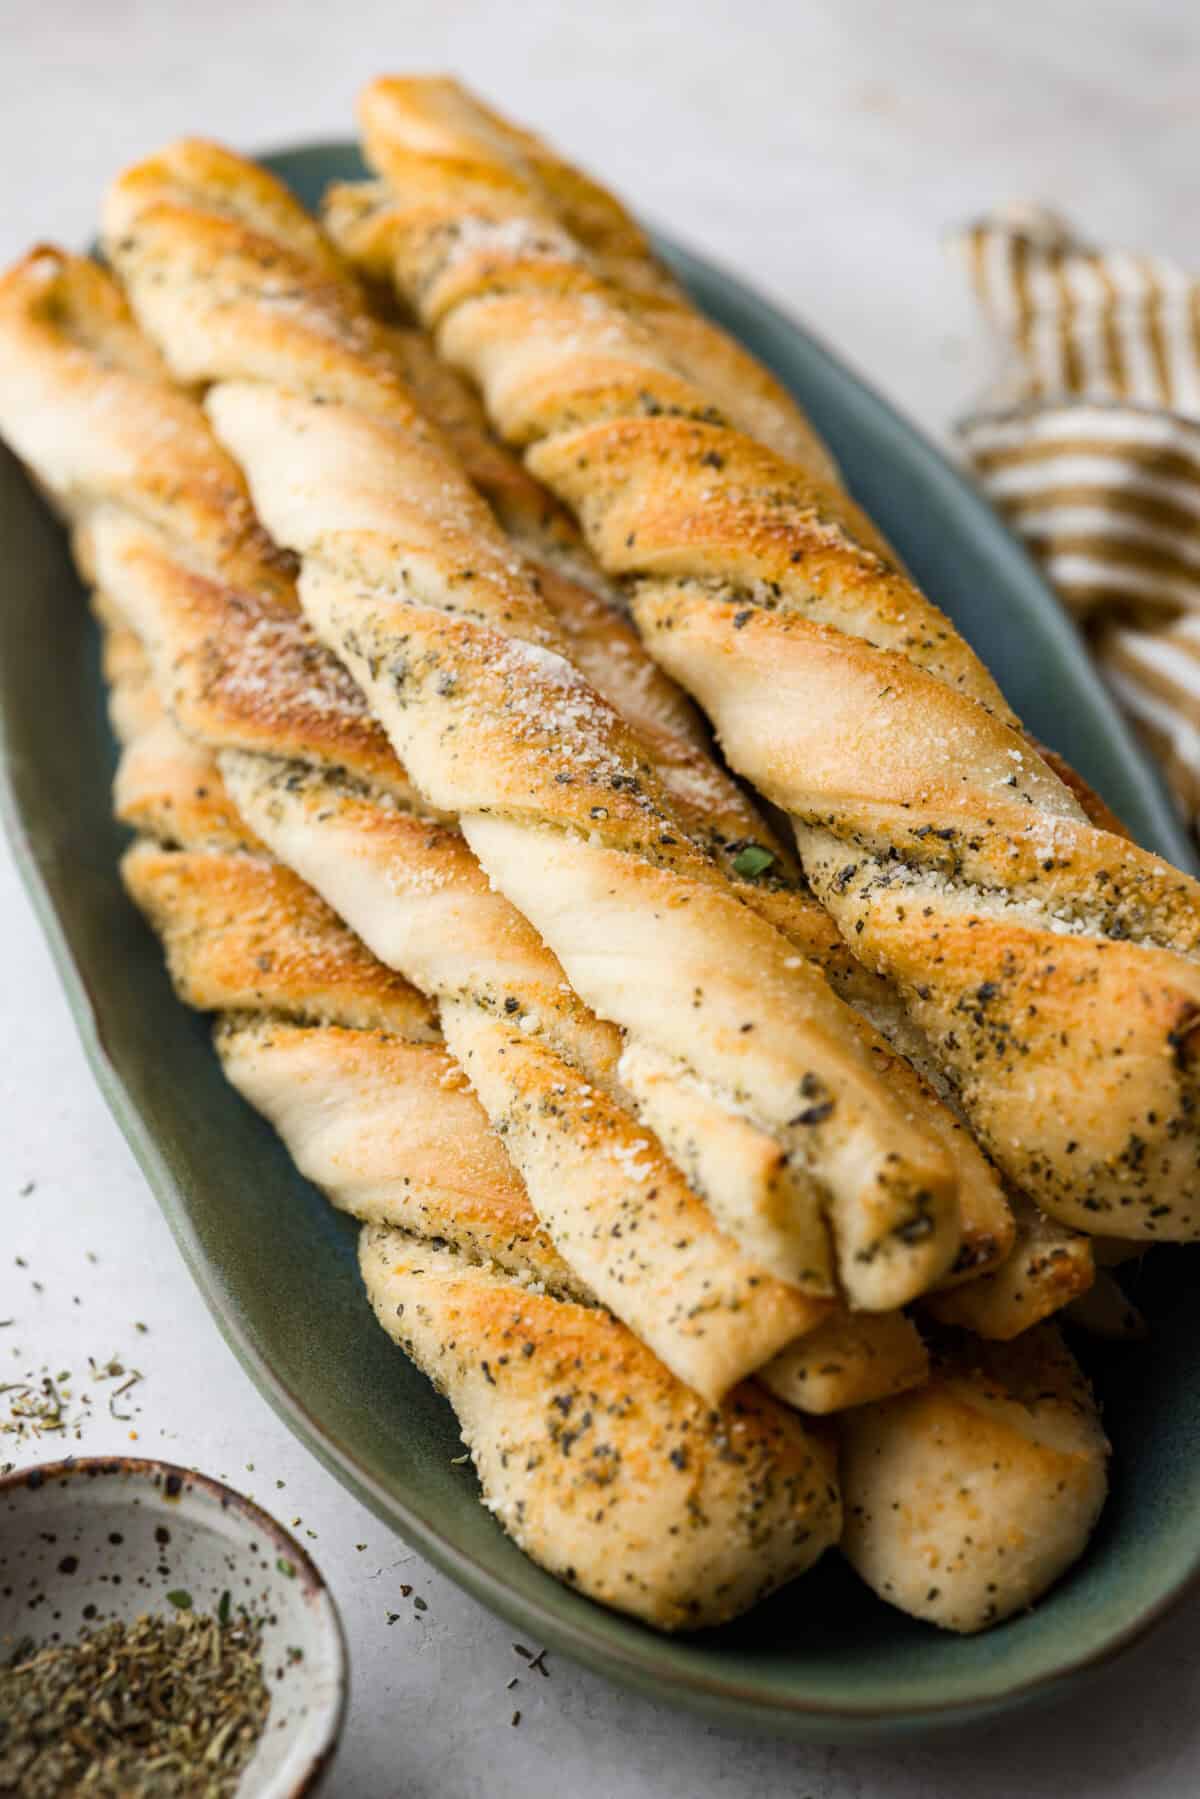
{"x":851,"y":1359}
{"x":967,"y":1499}
{"x":895,"y":1218}
{"x":601,"y":1465}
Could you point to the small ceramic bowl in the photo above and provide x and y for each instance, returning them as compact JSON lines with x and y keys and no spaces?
{"x":94,"y":1538}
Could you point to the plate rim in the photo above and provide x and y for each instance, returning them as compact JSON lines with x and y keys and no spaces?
{"x":737,"y":1704}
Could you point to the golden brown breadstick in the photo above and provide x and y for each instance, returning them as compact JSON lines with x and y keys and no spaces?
{"x":1051,"y":963}
{"x":240,"y":668}
{"x":342,"y":1057}
{"x":966,"y":1499}
{"x":463,"y":662}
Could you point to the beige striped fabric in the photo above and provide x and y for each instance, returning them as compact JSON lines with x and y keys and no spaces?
{"x":1089,"y":443}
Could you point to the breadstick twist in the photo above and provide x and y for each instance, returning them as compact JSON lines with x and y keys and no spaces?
{"x":1017,"y":1269}
{"x":641,"y":1495}
{"x":1051,"y":964}
{"x":449,"y":121}
{"x":239,"y":674}
{"x":342,"y":1057}
{"x":405,"y":572}
{"x":301,"y":760}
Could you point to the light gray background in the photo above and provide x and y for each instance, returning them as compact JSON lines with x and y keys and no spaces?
{"x":822,"y":148}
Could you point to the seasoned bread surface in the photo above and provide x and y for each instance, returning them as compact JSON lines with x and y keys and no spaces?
{"x":603,"y":1468}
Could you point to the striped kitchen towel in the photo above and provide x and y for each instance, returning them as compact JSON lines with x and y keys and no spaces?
{"x":1090,"y":445}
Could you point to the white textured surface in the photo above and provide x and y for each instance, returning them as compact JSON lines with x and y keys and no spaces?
{"x":821,"y":149}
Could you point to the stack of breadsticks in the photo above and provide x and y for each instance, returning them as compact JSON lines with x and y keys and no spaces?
{"x":665,"y":1141}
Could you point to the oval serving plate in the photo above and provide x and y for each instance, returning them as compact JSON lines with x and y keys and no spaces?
{"x":276,"y":1264}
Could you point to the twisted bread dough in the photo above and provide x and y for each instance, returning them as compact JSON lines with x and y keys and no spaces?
{"x":1051,"y":964}
{"x":353,"y":1111}
{"x":406,"y":573}
{"x":240,"y":672}
{"x":345,"y":1057}
{"x":344,"y":1061}
{"x":677,"y":1513}
{"x":439,"y":117}
{"x":240,"y":668}
{"x":664,"y":1507}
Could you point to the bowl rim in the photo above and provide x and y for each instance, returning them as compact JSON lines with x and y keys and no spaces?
{"x":153,"y":1474}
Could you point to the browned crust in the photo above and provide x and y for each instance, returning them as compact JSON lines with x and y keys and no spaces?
{"x":390,"y":1130}
{"x":244,"y":934}
{"x":70,"y":352}
{"x":603,"y":1468}
{"x":1037,"y":950}
{"x":484,"y":725}
{"x":966,"y":1499}
{"x":239,"y":668}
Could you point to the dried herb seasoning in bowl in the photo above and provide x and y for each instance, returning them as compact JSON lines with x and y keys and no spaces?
{"x":160,"y":1706}
{"x":160,"y":1636}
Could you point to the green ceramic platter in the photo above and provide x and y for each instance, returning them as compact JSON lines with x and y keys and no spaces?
{"x":277,"y":1265}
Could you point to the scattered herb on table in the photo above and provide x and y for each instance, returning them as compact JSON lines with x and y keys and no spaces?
{"x":126,"y":1386}
{"x":39,"y":1405}
{"x":53,"y":1401}
{"x":163,"y":1708}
